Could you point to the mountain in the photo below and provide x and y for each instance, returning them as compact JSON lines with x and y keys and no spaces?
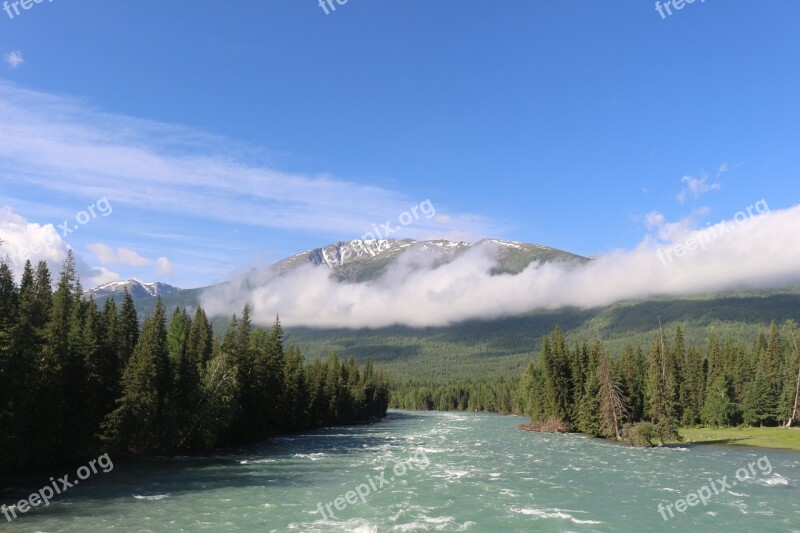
{"x":359,"y":260}
{"x":501,"y":346}
{"x":137,"y":289}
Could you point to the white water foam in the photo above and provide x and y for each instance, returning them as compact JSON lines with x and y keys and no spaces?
{"x":553,"y":513}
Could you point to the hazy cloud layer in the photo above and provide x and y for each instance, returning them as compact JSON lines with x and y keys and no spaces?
{"x":759,"y":252}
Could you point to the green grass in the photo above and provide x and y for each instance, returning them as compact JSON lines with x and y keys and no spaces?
{"x":780,"y":438}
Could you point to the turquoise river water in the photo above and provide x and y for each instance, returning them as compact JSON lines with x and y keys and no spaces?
{"x":432,"y":472}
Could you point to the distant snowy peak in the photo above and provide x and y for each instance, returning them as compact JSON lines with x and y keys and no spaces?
{"x":342,"y":253}
{"x":136,"y":288}
{"x":362,"y":260}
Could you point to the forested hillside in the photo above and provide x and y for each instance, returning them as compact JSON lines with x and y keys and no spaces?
{"x":502,"y":347}
{"x":642,"y":394}
{"x":77,"y":380}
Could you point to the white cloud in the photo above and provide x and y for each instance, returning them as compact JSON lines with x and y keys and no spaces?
{"x":672,"y":231}
{"x":762,"y":252}
{"x":102,"y":276}
{"x":164,"y":266}
{"x":119,"y":256}
{"x":695,"y":187}
{"x":14,"y":59}
{"x":23,"y":240}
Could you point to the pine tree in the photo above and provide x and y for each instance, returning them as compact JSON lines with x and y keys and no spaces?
{"x":10,"y":372}
{"x":127,"y":334}
{"x":109,"y":369}
{"x":762,"y":407}
{"x":78,"y":418}
{"x":719,"y":409}
{"x":742,"y":371}
{"x":332,"y":389}
{"x":530,"y":392}
{"x":185,"y":386}
{"x":588,"y":420}
{"x":693,"y":391}
{"x":662,"y":391}
{"x":270,"y":368}
{"x":557,"y":379}
{"x":225,"y":363}
{"x":714,"y":362}
{"x":29,"y":337}
{"x":677,"y":360}
{"x":218,"y":399}
{"x":633,"y":382}
{"x":295,"y":391}
{"x":137,"y":424}
{"x":55,"y":362}
{"x":579,"y":369}
{"x":248,"y":423}
{"x":200,"y":342}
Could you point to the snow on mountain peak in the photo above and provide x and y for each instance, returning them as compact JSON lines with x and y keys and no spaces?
{"x":136,"y":288}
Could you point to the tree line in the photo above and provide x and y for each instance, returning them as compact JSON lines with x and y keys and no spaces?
{"x":642,"y":397}
{"x":77,"y":380}
{"x":494,"y":396}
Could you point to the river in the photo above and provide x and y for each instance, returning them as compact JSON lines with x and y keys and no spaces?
{"x":433,"y":472}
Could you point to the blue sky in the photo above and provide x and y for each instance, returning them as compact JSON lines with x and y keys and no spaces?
{"x":228,"y":135}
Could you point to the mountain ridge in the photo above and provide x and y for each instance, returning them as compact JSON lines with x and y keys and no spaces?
{"x":503,"y":346}
{"x":137,"y":289}
{"x":364,"y":260}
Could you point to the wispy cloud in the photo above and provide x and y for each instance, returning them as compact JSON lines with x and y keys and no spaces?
{"x":116,"y":256}
{"x":64,"y":145}
{"x":164,"y":266}
{"x":666,"y":231}
{"x":696,"y":187}
{"x":14,"y":59}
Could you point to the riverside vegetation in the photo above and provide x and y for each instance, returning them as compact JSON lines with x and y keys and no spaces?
{"x":76,"y":380}
{"x":641,"y":399}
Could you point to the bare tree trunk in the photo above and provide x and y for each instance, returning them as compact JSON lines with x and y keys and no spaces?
{"x":612,"y":401}
{"x":797,"y":390}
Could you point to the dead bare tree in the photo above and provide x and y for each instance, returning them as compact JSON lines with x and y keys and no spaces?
{"x":612,"y":400}
{"x":797,"y":389}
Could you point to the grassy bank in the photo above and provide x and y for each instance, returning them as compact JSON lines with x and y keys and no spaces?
{"x":780,"y":438}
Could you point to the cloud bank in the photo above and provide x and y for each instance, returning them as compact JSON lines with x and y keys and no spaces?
{"x":760,"y":251}
{"x":23,"y":240}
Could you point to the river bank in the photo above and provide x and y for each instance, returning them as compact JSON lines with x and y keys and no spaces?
{"x":777,"y":438}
